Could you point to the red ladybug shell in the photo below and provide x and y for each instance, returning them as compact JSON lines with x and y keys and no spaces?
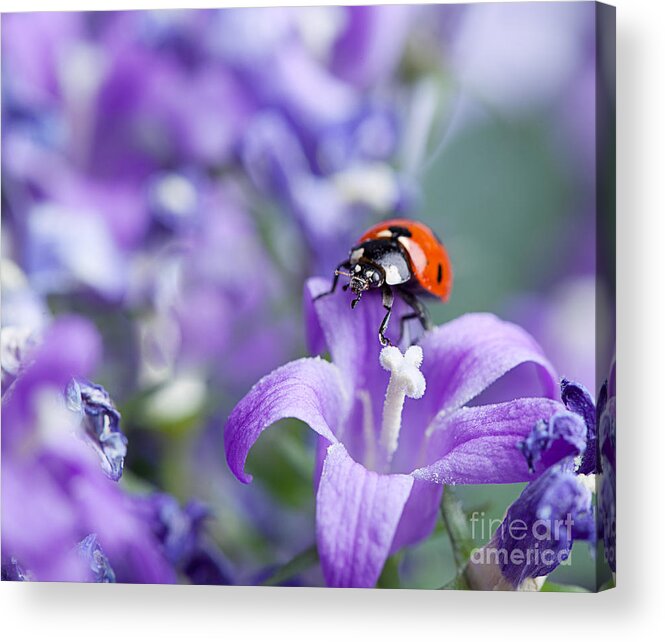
{"x":428,"y":257}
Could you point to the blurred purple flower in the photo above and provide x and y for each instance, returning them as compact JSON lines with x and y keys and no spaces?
{"x":213,"y":312}
{"x":563,"y":319}
{"x":520,"y":56}
{"x":132,"y":95}
{"x":33,"y":47}
{"x":11,"y":571}
{"x":70,"y":231}
{"x":369,"y":505}
{"x":156,"y":110}
{"x":370,"y":46}
{"x":17,"y":343}
{"x":53,"y":493}
{"x":93,"y":555}
{"x":180,"y":531}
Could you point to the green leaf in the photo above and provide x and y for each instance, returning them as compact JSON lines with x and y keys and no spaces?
{"x":551,"y":587}
{"x":297,"y":565}
{"x":389,"y":578}
{"x":282,"y":461}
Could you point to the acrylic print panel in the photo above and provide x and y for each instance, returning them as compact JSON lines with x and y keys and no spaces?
{"x":309,"y":296}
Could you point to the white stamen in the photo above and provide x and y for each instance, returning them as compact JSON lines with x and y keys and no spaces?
{"x":406,"y":380}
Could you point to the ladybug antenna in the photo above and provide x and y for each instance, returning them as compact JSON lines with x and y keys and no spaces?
{"x":341,"y":273}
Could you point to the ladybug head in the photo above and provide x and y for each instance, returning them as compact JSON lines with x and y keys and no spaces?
{"x":364,"y":276}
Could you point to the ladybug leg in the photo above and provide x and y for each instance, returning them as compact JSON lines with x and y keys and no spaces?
{"x":419,"y":312}
{"x":402,"y":323}
{"x":344,"y":264}
{"x":388,"y":300}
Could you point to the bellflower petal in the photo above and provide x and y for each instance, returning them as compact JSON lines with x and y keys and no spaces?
{"x":477,"y":445}
{"x":419,"y":515}
{"x":468,"y":354}
{"x":357,"y":514}
{"x":351,"y":338}
{"x":311,"y":390}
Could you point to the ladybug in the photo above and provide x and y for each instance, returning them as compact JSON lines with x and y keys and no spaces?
{"x":403,"y":258}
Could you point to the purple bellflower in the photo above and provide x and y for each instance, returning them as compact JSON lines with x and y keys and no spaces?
{"x":553,"y":511}
{"x":382,"y":461}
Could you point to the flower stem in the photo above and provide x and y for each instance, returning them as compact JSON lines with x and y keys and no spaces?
{"x":301,"y":562}
{"x":457,"y":527}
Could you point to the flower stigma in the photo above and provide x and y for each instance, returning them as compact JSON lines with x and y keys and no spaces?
{"x":406,"y":380}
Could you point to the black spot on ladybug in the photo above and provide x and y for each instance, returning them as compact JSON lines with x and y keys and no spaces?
{"x":439,"y":273}
{"x":398,"y":230}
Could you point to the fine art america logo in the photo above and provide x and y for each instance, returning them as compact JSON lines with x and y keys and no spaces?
{"x":542,"y":542}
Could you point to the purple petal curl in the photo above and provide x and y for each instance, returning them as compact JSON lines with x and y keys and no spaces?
{"x":311,"y":390}
{"x":478,"y":445}
{"x":357,"y":514}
